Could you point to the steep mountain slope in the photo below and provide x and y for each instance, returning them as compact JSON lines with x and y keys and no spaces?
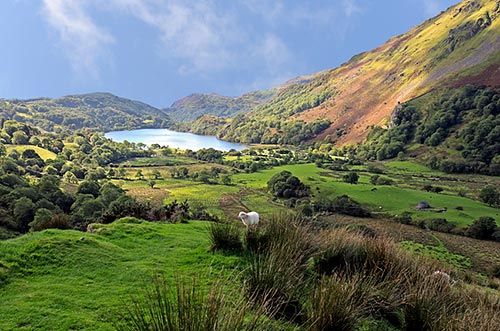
{"x":440,"y":51}
{"x":95,"y":111}
{"x":459,"y":46}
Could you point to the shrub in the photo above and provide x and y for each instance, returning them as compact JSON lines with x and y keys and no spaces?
{"x":482,"y":228}
{"x":285,"y":185}
{"x":490,"y":195}
{"x":439,"y":224}
{"x":224,"y":236}
{"x":346,"y":205}
{"x":404,"y":218}
{"x":351,"y":178}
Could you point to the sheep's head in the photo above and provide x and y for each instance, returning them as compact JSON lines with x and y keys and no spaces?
{"x":242,"y":215}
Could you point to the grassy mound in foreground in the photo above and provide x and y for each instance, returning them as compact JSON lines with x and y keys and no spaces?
{"x":66,"y":280}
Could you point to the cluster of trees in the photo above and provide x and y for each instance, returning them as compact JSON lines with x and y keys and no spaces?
{"x":466,"y":119}
{"x":299,"y":97}
{"x":341,"y":204}
{"x":98,"y":111}
{"x":271,"y":131}
{"x":285,"y":185}
{"x":388,"y":143}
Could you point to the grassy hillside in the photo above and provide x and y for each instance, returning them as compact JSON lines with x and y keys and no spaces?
{"x":95,"y":111}
{"x":69,"y":280}
{"x":195,"y":105}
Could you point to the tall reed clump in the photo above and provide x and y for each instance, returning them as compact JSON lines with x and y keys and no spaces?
{"x":224,"y":236}
{"x":188,"y":306}
{"x":480,"y":311}
{"x":278,"y":261}
{"x":339,"y":301}
{"x":406,"y":293}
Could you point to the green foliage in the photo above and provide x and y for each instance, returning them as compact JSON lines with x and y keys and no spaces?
{"x":285,"y":185}
{"x":482,"y":228}
{"x":467,"y":118}
{"x":351,"y":178}
{"x":271,"y":131}
{"x":98,"y":111}
{"x":342,"y":204}
{"x":489,"y":194}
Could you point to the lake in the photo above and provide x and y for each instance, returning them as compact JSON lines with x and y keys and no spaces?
{"x":175,"y":139}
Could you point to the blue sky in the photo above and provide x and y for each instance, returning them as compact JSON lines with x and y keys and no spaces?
{"x":158,"y":51}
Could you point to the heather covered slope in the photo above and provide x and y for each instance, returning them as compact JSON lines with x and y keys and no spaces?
{"x":460,"y":46}
{"x":94,"y":111}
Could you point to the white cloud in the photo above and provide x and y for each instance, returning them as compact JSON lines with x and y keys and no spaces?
{"x":351,"y":8}
{"x":204,"y":35}
{"x":273,"y":51}
{"x":83,"y":41}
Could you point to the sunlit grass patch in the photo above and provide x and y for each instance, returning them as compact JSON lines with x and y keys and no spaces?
{"x":45,"y":154}
{"x":58,"y":281}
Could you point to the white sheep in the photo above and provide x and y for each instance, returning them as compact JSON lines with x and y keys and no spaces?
{"x":251,"y":218}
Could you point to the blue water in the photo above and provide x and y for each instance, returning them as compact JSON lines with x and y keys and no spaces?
{"x":170,"y":138}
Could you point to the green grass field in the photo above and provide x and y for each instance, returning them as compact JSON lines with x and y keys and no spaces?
{"x":392,"y":199}
{"x":45,"y":154}
{"x":52,"y":280}
{"x":250,"y":190}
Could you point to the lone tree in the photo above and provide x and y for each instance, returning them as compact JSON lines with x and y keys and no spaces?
{"x":285,"y":185}
{"x":490,"y":195}
{"x":351,"y":178}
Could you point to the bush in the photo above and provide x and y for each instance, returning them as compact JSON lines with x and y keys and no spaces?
{"x":58,"y":221}
{"x":224,"y":236}
{"x":347,"y":206}
{"x":440,"y":224}
{"x":351,"y":178}
{"x":404,"y":218}
{"x":482,"y":228}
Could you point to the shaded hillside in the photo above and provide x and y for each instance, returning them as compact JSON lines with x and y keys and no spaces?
{"x":459,"y":46}
{"x":95,"y":111}
{"x":196,"y":105}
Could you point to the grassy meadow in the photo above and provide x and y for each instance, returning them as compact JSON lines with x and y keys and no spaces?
{"x":69,"y":280}
{"x":249,"y":190}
